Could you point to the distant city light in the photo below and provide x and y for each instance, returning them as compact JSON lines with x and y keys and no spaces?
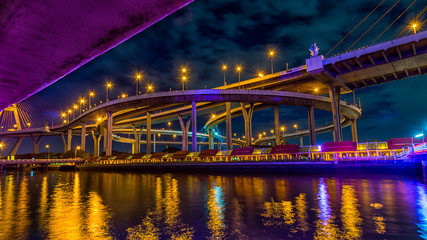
{"x":419,"y":135}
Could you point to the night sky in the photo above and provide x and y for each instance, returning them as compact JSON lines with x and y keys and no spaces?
{"x":207,"y":34}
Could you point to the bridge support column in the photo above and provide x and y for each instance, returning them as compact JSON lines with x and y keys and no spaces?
{"x":193,"y":127}
{"x":184,"y":129}
{"x":211,"y":139}
{"x":335,"y":113}
{"x":137,"y":134}
{"x":83,"y":138}
{"x":276,"y":124}
{"x":301,"y":141}
{"x":16,"y":146}
{"x":354,"y":130}
{"x":109,"y":136}
{"x":228,"y":129}
{"x":64,"y":142}
{"x":70,"y":137}
{"x":36,"y":144}
{"x":96,"y":142}
{"x":148,"y":137}
{"x":311,"y":125}
{"x":247,"y":116}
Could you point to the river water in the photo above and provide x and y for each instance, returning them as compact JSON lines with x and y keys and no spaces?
{"x":107,"y":205}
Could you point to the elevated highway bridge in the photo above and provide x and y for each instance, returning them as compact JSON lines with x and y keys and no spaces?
{"x":301,"y":86}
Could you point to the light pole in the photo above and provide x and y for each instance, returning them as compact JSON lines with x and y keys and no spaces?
{"x":68,"y":115}
{"x":183,"y":82}
{"x":414,"y":26}
{"x":239,"y":69}
{"x":138,"y":77}
{"x":82,"y":101}
{"x":75,"y":109}
{"x":283,"y":130}
{"x":169,"y":125}
{"x":75,"y":152}
{"x":296,"y":127}
{"x":271,"y":54}
{"x":224,"y":69}
{"x":108,"y":86}
{"x":91,"y":94}
{"x":48,"y":151}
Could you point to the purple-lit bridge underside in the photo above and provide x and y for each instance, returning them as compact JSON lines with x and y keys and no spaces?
{"x":43,"y":41}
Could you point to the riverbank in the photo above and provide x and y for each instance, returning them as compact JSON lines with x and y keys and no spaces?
{"x":343,"y":167}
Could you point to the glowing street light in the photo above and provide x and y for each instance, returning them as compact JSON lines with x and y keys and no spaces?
{"x":213,"y":116}
{"x":108,"y":85}
{"x":138,"y":78}
{"x":260,"y":74}
{"x":82,"y":101}
{"x":75,"y":109}
{"x":169,"y":125}
{"x":91,"y":94}
{"x":150,"y":88}
{"x":224,"y":69}
{"x":48,"y":151}
{"x":184,"y":78}
{"x":99,"y":119}
{"x":272,"y":131}
{"x":75,"y":152}
{"x":29,"y":125}
{"x":414,"y":26}
{"x":296,"y":127}
{"x":271,"y":54}
{"x":238,"y":70}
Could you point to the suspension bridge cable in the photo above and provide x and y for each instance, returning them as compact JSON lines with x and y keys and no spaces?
{"x":373,"y":25}
{"x":336,"y":45}
{"x":416,"y":17}
{"x":393,"y":22}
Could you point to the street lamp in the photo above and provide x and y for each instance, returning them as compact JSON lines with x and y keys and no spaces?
{"x":82,"y":101}
{"x":283,"y":130}
{"x":150,"y":88}
{"x":28,"y":125}
{"x":169,"y":125}
{"x":414,"y":26}
{"x":68,"y":116}
{"x":108,"y":86}
{"x":48,"y":151}
{"x":271,"y":55}
{"x":239,"y":69}
{"x":138,"y":78}
{"x":213,"y":116}
{"x":75,"y":152}
{"x":184,"y":78}
{"x":91,"y":94}
{"x":75,"y":109}
{"x":224,"y":69}
{"x":296,"y":127}
{"x":272,"y":131}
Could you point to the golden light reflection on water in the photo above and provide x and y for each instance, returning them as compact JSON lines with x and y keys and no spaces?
{"x":350,"y":215}
{"x":7,"y":219}
{"x":22,"y":212}
{"x":278,"y":213}
{"x":301,"y":209}
{"x":97,"y":218}
{"x":166,"y":215}
{"x":216,"y":213}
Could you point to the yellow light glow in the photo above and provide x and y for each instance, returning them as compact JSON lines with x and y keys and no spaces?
{"x":75,"y":106}
{"x":238,"y":68}
{"x":264,"y":133}
{"x":123,"y":95}
{"x":91,"y":94}
{"x":316,"y":89}
{"x":272,"y":131}
{"x":69,"y":110}
{"x":260,"y":75}
{"x":109,"y":85}
{"x":271,"y":53}
{"x":63,"y":114}
{"x":213,"y":115}
{"x":224,"y":67}
{"x":47,"y":146}
{"x":184,"y":70}
{"x":28,"y":124}
{"x":169,"y":123}
{"x":78,"y":147}
{"x":282,"y":128}
{"x":183,"y":78}
{"x":295,"y":126}
{"x":138,"y":76}
{"x":174,"y":136}
{"x":65,"y":121}
{"x":99,"y":119}
{"x":1,"y":145}
{"x":82,"y":100}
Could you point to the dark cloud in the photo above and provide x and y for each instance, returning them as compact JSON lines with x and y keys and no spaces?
{"x":208,"y":33}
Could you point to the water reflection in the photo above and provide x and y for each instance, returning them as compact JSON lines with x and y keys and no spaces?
{"x":350,"y":215}
{"x":165,"y":216}
{"x":325,"y":227}
{"x":216,"y":213}
{"x":172,"y":206}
